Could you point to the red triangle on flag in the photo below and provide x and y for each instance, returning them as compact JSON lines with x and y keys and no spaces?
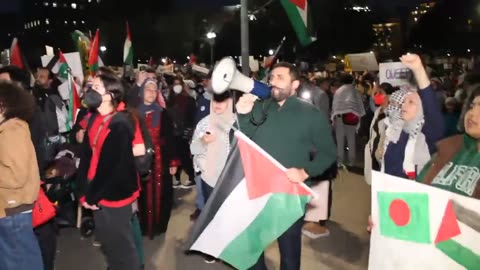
{"x":449,"y":227}
{"x":300,"y":3}
{"x":263,"y":176}
{"x":16,"y":55}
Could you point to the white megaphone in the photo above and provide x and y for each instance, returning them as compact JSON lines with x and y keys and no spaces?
{"x":225,"y":76}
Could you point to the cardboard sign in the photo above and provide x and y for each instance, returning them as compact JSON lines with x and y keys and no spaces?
{"x":396,"y":74}
{"x":49,"y":50}
{"x":361,"y":62}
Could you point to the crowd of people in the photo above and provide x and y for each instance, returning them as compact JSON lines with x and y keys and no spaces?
{"x":132,"y":139}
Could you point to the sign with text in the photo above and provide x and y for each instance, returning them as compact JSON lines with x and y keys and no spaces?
{"x":396,"y":74}
{"x":361,"y":62}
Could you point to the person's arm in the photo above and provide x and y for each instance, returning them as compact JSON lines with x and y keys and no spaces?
{"x":322,"y":140}
{"x":434,"y":127}
{"x":116,"y":152}
{"x":197,"y":147}
{"x":169,"y":144}
{"x":245,"y":107}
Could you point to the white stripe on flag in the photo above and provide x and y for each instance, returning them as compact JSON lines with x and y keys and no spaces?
{"x":303,"y":14}
{"x":233,"y":217}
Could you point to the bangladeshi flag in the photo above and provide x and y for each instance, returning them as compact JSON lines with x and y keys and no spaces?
{"x":93,"y":54}
{"x":301,"y":18}
{"x":251,"y":206}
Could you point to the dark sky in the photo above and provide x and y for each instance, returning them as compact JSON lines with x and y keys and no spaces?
{"x":9,"y":6}
{"x":204,"y":3}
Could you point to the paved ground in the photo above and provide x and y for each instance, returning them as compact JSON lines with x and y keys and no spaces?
{"x":345,"y":249}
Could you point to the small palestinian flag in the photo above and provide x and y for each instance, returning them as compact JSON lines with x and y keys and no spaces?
{"x":128,"y":49}
{"x":251,"y":206}
{"x":300,"y":16}
{"x":74,"y":102}
{"x":405,"y":216}
{"x":93,"y":54}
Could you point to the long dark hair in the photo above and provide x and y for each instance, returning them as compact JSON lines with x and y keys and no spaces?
{"x":475,"y":93}
{"x":16,"y":102}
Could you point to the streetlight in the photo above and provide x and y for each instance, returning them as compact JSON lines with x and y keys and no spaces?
{"x":270,"y":52}
{"x":211,"y":39}
{"x":103,"y":48}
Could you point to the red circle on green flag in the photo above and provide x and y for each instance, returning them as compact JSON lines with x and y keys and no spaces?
{"x":399,"y":212}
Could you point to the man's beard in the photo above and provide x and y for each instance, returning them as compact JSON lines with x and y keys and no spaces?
{"x":279,"y":94}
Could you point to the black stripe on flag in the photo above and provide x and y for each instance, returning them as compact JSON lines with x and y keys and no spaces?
{"x":229,"y":179}
{"x":467,"y":216}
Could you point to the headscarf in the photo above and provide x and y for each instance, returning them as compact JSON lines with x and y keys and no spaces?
{"x":217,"y":151}
{"x":160,"y":98}
{"x":154,"y":108}
{"x":416,"y":151}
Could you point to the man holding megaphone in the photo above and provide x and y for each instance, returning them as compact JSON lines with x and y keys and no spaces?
{"x":287,"y":128}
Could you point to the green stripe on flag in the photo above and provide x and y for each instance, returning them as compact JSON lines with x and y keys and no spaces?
{"x":299,"y":26}
{"x":280,"y":212}
{"x":460,"y":254}
{"x":94,"y":67}
{"x":129,"y":59}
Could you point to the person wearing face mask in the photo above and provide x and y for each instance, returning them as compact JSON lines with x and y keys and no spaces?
{"x":414,"y":125}
{"x":182,"y":107}
{"x":19,"y":181}
{"x":107,"y":176}
{"x":374,"y":147}
{"x":289,"y":132}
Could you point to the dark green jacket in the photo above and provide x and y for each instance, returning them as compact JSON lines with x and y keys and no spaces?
{"x":290,"y":134}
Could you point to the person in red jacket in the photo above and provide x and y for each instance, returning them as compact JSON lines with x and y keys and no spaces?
{"x":107,"y":177}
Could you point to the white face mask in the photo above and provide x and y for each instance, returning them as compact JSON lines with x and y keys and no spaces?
{"x":177,"y":89}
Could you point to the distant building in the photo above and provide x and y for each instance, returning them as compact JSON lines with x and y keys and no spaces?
{"x":51,"y":22}
{"x":388,"y":39}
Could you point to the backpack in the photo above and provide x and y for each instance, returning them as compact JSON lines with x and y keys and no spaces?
{"x":143,"y":163}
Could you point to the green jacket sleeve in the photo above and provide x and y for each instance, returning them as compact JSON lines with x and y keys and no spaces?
{"x":322,"y":140}
{"x":244,"y":120}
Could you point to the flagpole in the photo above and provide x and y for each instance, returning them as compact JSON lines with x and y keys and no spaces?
{"x":245,"y":43}
{"x":71,"y":101}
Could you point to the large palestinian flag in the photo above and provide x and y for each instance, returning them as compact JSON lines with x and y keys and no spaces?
{"x":252,"y":205}
{"x":300,"y":16}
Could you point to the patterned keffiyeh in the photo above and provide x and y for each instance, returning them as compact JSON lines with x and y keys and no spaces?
{"x":416,"y":150}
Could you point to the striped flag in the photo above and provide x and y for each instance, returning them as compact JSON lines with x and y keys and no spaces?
{"x":252,"y":205}
{"x":128,"y":49}
{"x":93,"y":54}
{"x":300,"y":16}
{"x":74,"y":102}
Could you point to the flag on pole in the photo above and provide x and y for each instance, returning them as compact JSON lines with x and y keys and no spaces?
{"x":300,"y":16}
{"x":16,"y":55}
{"x":74,"y":102}
{"x":252,"y":205}
{"x":93,"y":54}
{"x":128,"y":49}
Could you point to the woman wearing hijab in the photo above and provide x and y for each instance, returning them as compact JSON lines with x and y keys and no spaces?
{"x":157,"y":193}
{"x":414,"y":125}
{"x":211,"y":141}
